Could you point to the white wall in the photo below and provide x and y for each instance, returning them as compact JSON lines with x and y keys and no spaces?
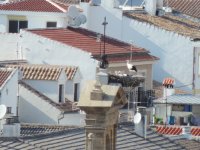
{"x":175,"y":51}
{"x":48,"y":88}
{"x":69,"y":87}
{"x":3,"y":23}
{"x":32,"y":109}
{"x":39,"y":50}
{"x":35,"y":19}
{"x":9,"y":92}
{"x":160,"y":111}
{"x":73,"y":119}
{"x":8,"y":46}
{"x":197,"y":69}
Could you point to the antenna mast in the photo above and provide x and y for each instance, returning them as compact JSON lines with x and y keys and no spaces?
{"x":104,"y":61}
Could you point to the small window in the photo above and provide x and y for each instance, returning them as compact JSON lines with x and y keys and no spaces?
{"x":76,"y":88}
{"x":9,"y":109}
{"x":51,"y":24}
{"x":16,"y":25}
{"x":61,"y":93}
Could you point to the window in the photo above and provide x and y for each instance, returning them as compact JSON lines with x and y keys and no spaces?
{"x":183,"y":108}
{"x":76,"y":88}
{"x":61,"y":93}
{"x":9,"y":110}
{"x":51,"y":24}
{"x":16,"y":25}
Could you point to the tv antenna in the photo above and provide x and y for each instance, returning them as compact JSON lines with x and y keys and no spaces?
{"x":3,"y":110}
{"x":137,"y":118}
{"x":104,"y":61}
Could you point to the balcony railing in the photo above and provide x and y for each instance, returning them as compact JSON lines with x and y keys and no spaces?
{"x":140,"y":98}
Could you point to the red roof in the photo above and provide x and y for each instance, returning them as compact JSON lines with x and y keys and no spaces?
{"x":4,"y":74}
{"x":87,"y":41}
{"x":34,"y":5}
{"x":189,"y":7}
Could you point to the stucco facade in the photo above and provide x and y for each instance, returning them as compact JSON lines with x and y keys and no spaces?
{"x":174,"y":50}
{"x":35,"y":19}
{"x":8,"y":92}
{"x":40,"y":50}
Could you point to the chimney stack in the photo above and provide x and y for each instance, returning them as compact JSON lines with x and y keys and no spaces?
{"x":12,"y":127}
{"x":101,"y":104}
{"x":168,"y":90}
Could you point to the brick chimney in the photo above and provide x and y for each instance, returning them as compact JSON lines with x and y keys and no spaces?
{"x":101,"y":104}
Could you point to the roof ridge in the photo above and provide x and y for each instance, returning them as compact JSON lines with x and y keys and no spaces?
{"x":56,"y":5}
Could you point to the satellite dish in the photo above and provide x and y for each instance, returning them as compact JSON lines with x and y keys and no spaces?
{"x":75,"y":22}
{"x":73,"y":11}
{"x":82,"y":18}
{"x":137,"y":118}
{"x":3,"y":110}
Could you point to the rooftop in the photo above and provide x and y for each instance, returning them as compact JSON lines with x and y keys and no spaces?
{"x":39,"y":6}
{"x":188,"y":7}
{"x":45,"y":72}
{"x":87,"y":41}
{"x":74,"y":138}
{"x":176,"y":24}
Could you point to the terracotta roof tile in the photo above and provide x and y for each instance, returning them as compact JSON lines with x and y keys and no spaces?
{"x":4,"y":75}
{"x":35,"y":6}
{"x":176,"y":24}
{"x":87,"y":41}
{"x":188,"y":7}
{"x":45,"y":72}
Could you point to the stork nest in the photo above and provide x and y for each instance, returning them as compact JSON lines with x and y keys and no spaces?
{"x":125,"y":81}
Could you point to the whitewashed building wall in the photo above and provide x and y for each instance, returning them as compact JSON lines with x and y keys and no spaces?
{"x":35,"y":19}
{"x":175,"y":51}
{"x":40,"y":50}
{"x":8,"y":92}
{"x":32,"y":109}
{"x":49,"y":88}
{"x":8,"y":46}
{"x":69,"y":87}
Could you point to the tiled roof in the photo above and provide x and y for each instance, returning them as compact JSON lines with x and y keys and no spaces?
{"x":35,"y":6}
{"x":189,"y":7}
{"x":45,"y":72}
{"x":38,"y":129}
{"x":74,"y":139}
{"x":4,"y":75}
{"x":67,"y":1}
{"x":87,"y":41}
{"x":176,"y":24}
